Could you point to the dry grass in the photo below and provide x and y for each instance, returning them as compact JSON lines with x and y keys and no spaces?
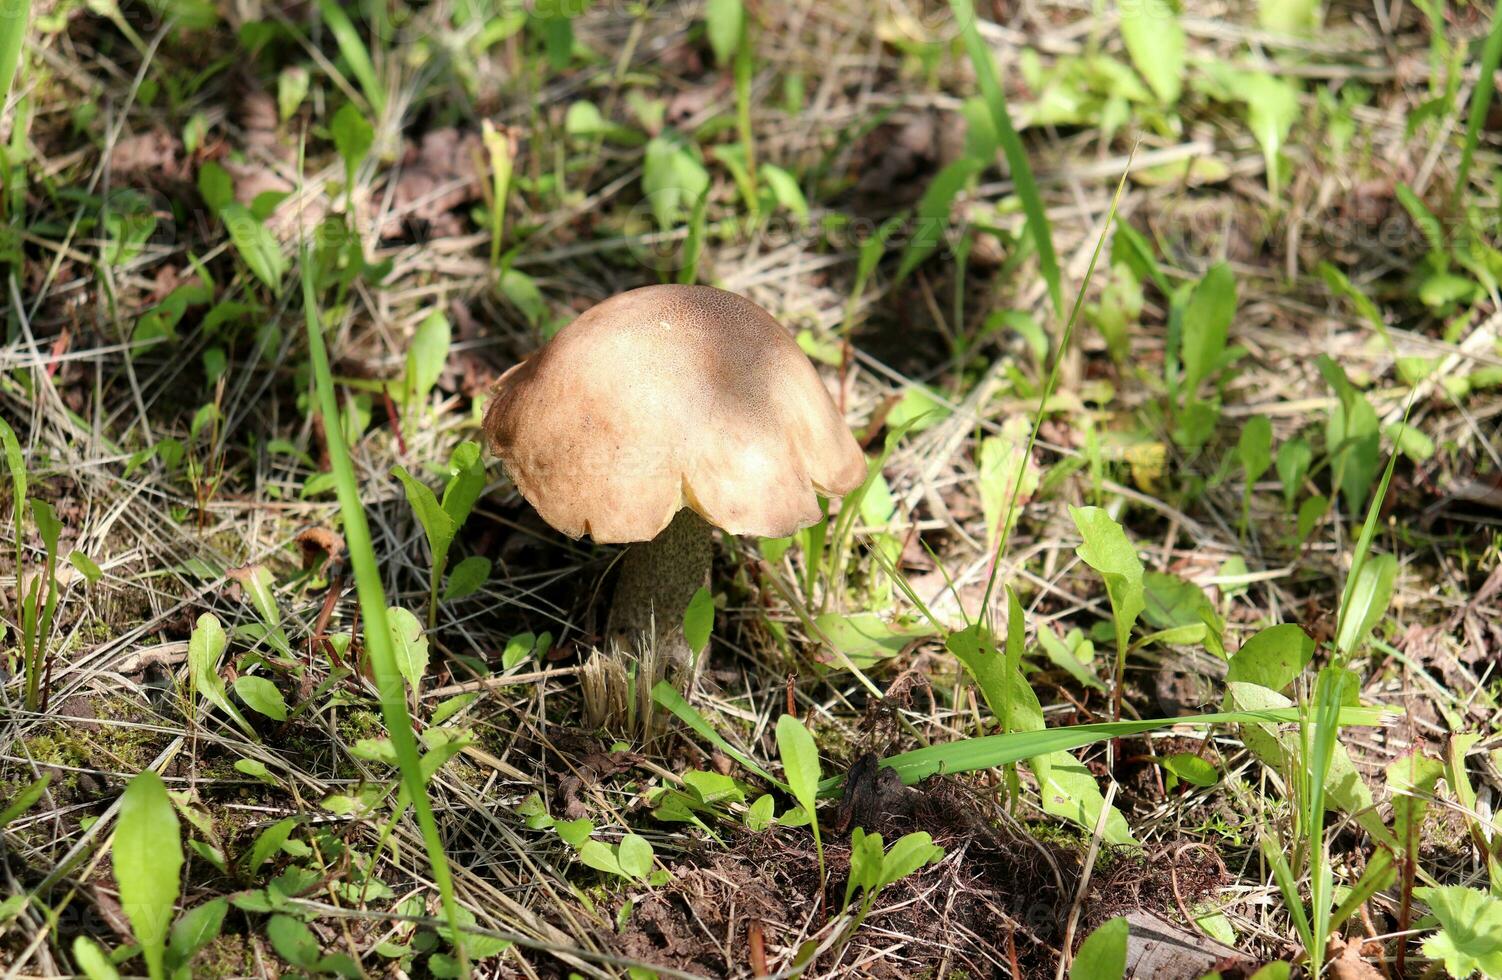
{"x":877,"y":123}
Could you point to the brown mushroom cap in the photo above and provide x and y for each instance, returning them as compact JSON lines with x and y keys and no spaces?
{"x":665,"y":397}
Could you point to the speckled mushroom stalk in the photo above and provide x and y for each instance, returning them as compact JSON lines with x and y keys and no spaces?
{"x":657,"y":414}
{"x":656,"y":581}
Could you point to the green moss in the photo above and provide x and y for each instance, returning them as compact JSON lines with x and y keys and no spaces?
{"x":226,"y":956}
{"x":360,"y":723}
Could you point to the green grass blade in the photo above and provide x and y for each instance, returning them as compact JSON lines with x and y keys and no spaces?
{"x":1481,"y":99}
{"x":668,"y":697}
{"x":13,"y":22}
{"x":1011,"y":145}
{"x":389,"y":684}
{"x":1049,"y":385}
{"x":355,"y":53}
{"x":992,"y":751}
{"x":1369,"y":529}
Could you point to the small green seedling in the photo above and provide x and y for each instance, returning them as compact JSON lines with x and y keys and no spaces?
{"x":147,"y":854}
{"x":205,"y":648}
{"x":295,"y":943}
{"x":1254,"y":452}
{"x":1201,"y":319}
{"x":426,"y":358}
{"x":36,"y":599}
{"x":1103,"y":954}
{"x":441,"y":521}
{"x":872,"y":869}
{"x":353,"y":138}
{"x":1107,"y":550}
{"x":800,"y":763}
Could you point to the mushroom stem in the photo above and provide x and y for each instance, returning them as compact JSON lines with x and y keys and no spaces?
{"x":657,"y":580}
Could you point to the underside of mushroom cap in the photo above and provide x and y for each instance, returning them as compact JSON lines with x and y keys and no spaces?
{"x":666,"y":397}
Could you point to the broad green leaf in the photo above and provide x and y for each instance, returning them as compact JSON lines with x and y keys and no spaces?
{"x":466,"y":482}
{"x":517,"y":649}
{"x":1272,"y":107}
{"x":1206,"y":323}
{"x":48,"y":526}
{"x":908,"y":854}
{"x":698,"y":620}
{"x":409,"y":645}
{"x":917,"y":409}
{"x":215,"y":186}
{"x":467,"y":578}
{"x":192,"y":931}
{"x":293,"y":941}
{"x":635,"y":856}
{"x":865,"y":864}
{"x":449,"y":707}
{"x":761,"y":813}
{"x":291,"y":90}
{"x":1254,"y":450}
{"x":974,"y":647}
{"x":205,"y":646}
{"x":257,"y":582}
{"x":1192,"y":769}
{"x":866,"y":638}
{"x":268,"y":842}
{"x":672,"y":179}
{"x":1469,"y":939}
{"x":1351,"y":437}
{"x":92,"y":960}
{"x":800,"y":760}
{"x":427,"y":355}
{"x":436,"y":523}
{"x":25,"y":800}
{"x":1170,"y":602}
{"x":1411,"y":779}
{"x":1103,"y":954}
{"x":522,"y":291}
{"x":1005,"y":473}
{"x":1106,"y":549}
{"x":785,"y":190}
{"x":1156,"y":44}
{"x":147,"y":854}
{"x":1411,"y":442}
{"x":1293,"y":462}
{"x":1368,"y":603}
{"x":261,"y":695}
{"x":86,"y":566}
{"x":1068,"y":789}
{"x":599,"y":856}
{"x":1272,"y":658}
{"x":726,"y":24}
{"x":353,"y":136}
{"x":255,"y":244}
{"x":1345,"y":790}
{"x":256,"y":769}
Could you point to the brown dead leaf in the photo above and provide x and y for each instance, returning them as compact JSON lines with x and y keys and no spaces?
{"x":319,"y":544}
{"x":440,"y":174}
{"x":157,"y":153}
{"x":1345,"y":961}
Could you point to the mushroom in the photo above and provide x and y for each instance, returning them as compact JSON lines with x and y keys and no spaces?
{"x":656,"y":414}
